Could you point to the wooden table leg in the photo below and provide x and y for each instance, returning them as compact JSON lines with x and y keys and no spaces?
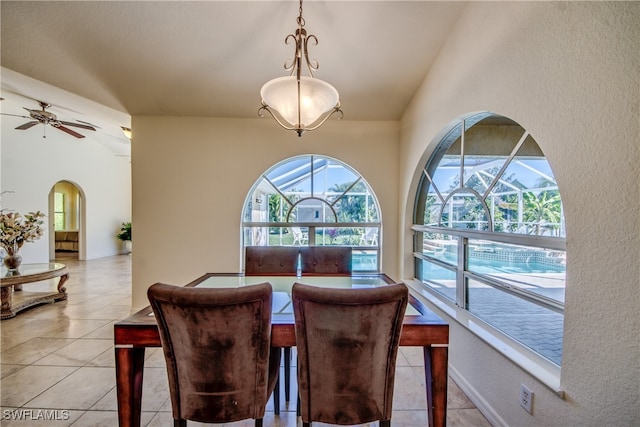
{"x":63,"y":279}
{"x":276,"y":397}
{"x":129,"y":370}
{"x":7,"y":302}
{"x":436,"y":377}
{"x":287,"y":373}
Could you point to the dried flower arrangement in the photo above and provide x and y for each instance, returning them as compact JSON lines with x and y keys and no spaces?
{"x":16,"y":230}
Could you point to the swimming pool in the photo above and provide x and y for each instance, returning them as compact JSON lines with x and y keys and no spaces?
{"x":362,"y":260}
{"x":487,"y":264}
{"x":543,"y":279}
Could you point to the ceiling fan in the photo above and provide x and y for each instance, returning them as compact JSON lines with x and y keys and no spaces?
{"x":47,"y":118}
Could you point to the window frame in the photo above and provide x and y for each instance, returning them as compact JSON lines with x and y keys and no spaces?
{"x":458,"y":307}
{"x":60,"y":215}
{"x":314,"y":226}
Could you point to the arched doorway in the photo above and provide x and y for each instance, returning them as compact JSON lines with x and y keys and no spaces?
{"x":66,"y":222}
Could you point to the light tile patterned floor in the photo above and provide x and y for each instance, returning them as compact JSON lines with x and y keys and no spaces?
{"x":58,"y":362}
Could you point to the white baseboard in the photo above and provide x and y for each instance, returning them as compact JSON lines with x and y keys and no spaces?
{"x":489,"y":413}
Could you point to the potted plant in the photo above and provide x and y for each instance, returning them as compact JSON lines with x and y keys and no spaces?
{"x":125,"y":235}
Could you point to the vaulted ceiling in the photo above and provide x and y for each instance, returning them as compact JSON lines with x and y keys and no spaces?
{"x":108,"y":60}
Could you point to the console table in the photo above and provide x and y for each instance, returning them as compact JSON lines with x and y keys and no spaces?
{"x":11,"y":284}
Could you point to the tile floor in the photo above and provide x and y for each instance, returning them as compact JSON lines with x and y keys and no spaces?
{"x":58,"y":363}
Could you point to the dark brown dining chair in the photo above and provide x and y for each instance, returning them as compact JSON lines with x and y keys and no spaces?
{"x":347,"y":342}
{"x":277,"y":261}
{"x":271,"y":260}
{"x":217,"y":346}
{"x":327,"y":260}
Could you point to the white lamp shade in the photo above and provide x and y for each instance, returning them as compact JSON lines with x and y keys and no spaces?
{"x":316,"y":98}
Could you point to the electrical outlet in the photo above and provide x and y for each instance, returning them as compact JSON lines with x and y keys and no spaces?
{"x":526,"y":398}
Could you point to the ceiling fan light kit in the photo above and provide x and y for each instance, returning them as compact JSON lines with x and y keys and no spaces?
{"x":296,"y":102}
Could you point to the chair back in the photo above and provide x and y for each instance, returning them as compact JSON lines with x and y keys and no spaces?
{"x":347,"y":341}
{"x":329,"y":260}
{"x":275,"y":260}
{"x":216,"y":344}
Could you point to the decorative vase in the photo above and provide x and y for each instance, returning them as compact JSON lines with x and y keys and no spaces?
{"x":12,"y":259}
{"x":12,"y":262}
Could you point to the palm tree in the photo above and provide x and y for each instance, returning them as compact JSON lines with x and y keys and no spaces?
{"x":544,"y":207}
{"x":352,"y":205}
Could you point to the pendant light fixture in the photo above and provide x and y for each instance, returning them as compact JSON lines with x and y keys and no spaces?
{"x":297,"y":102}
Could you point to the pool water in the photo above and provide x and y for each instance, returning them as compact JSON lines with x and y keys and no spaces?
{"x":527,"y":267}
{"x":493,"y":266}
{"x":364,"y":261}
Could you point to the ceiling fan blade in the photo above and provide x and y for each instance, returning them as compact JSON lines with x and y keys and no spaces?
{"x":69,"y":131}
{"x":15,"y":115}
{"x":78,"y":125}
{"x":27,"y":125}
{"x":90,"y":124}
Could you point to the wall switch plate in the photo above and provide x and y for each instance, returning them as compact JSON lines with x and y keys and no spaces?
{"x":526,"y":398}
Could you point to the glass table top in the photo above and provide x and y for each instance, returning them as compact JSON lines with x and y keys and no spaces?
{"x":282,"y":286}
{"x":31,"y":269}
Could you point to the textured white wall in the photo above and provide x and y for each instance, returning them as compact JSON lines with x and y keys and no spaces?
{"x":191,"y":177}
{"x":569,"y":72}
{"x":32,"y":165}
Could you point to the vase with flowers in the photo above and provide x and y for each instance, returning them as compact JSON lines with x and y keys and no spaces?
{"x":16,"y":230}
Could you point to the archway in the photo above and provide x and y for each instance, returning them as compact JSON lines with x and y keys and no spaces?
{"x":66,"y":222}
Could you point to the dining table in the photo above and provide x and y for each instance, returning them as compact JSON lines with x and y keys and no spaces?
{"x":421,"y":328}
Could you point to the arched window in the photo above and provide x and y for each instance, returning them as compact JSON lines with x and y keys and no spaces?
{"x":489,"y":232}
{"x":316,"y":201}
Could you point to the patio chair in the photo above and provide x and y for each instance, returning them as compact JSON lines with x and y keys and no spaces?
{"x":299,"y":237}
{"x":369,"y":237}
{"x":347,"y":342}
{"x":217,"y":346}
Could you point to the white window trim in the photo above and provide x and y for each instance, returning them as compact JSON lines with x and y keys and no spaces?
{"x":539,"y":367}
